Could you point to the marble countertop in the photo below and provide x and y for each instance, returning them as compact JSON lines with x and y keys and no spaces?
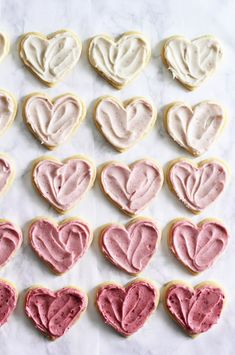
{"x":157,"y":20}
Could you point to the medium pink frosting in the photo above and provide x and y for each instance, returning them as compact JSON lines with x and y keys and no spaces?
{"x":63,"y":184}
{"x":5,"y":172}
{"x":198,"y":187}
{"x":10,"y":240}
{"x":132,"y":187}
{"x":127,"y":309}
{"x":130,"y":248}
{"x":53,"y":313}
{"x":198,"y":247}
{"x":8,"y":300}
{"x":195,"y":310}
{"x":60,"y":246}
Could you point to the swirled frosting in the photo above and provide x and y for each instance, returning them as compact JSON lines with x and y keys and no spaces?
{"x":7,"y":110}
{"x":195,"y":129}
{"x":127,"y":309}
{"x":63,"y":184}
{"x":132,"y":187}
{"x":6,"y":172}
{"x":59,"y":246}
{"x":191,"y":62}
{"x":10,"y":240}
{"x":121,"y":60}
{"x":195,"y":310}
{"x":124,"y":126}
{"x":53,"y":123}
{"x":51,"y":57}
{"x":198,"y":187}
{"x":198,"y":247}
{"x":8,"y":300}
{"x":53,"y":313}
{"x":130,"y":248}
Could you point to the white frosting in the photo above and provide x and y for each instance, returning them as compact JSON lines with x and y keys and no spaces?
{"x":7,"y":110}
{"x":195,"y":129}
{"x":4,"y":45}
{"x":50,"y":59}
{"x":121,"y":60}
{"x":191,"y":62}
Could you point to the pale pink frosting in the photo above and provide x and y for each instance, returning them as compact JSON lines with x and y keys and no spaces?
{"x":63,"y":184}
{"x":127,"y":309}
{"x":60,"y":246}
{"x":8,"y":300}
{"x":132,"y":187}
{"x":53,"y":313}
{"x":198,"y":187}
{"x":198,"y":247}
{"x":10,"y":240}
{"x":130,"y":248}
{"x":5,"y":172}
{"x":195,"y":310}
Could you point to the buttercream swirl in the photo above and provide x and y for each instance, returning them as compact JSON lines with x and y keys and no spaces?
{"x":7,"y":110}
{"x":6,"y":172}
{"x":8,"y":300}
{"x":10,"y":240}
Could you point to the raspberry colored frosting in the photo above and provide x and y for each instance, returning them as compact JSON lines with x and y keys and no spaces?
{"x":195,"y":310}
{"x":127,"y":309}
{"x":6,"y":172}
{"x":130,"y":248}
{"x":10,"y":240}
{"x":53,"y":313}
{"x":8,"y":300}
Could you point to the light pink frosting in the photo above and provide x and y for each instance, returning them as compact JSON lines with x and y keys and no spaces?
{"x":10,"y":240}
{"x":63,"y":184}
{"x":60,"y":246}
{"x":53,"y":313}
{"x":130,"y":248}
{"x":132,"y":187}
{"x":127,"y":309}
{"x":6,"y":172}
{"x":197,"y":188}
{"x":195,"y":310}
{"x":8,"y":300}
{"x":198,"y":247}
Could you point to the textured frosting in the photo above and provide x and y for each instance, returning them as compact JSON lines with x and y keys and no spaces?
{"x":60,"y":246}
{"x":132,"y":187}
{"x":53,"y":313}
{"x":52,"y":123}
{"x":10,"y":240}
{"x":50,"y":58}
{"x":127,"y":309}
{"x":198,"y":247}
{"x":191,"y":62}
{"x":121,"y":126}
{"x":130,"y":248}
{"x":4,"y":45}
{"x":63,"y":184}
{"x":8,"y":300}
{"x":6,"y":172}
{"x":198,"y":187}
{"x":195,"y":310}
{"x":195,"y":129}
{"x":7,"y":110}
{"x":122,"y":60}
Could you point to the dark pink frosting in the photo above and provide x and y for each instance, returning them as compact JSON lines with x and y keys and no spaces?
{"x":127,"y":309}
{"x":130,"y":248}
{"x":10,"y":240}
{"x":8,"y":300}
{"x":5,"y":172}
{"x":53,"y":313}
{"x":60,"y":246}
{"x":195,"y":310}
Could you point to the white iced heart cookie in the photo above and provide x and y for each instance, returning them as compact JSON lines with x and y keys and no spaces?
{"x":4,"y":45}
{"x":192,"y":62}
{"x":8,"y":109}
{"x":119,"y":61}
{"x":123,"y":125}
{"x":50,"y":57}
{"x":53,"y":121}
{"x":195,"y":129}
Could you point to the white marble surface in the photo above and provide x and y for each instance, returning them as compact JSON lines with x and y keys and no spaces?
{"x":158,"y":20}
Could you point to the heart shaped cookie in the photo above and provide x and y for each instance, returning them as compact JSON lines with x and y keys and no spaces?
{"x":53,"y":313}
{"x":8,"y":109}
{"x":60,"y":246}
{"x":10,"y":241}
{"x":195,"y":129}
{"x":130,"y":248}
{"x":53,"y":121}
{"x":123,"y":125}
{"x":197,"y":247}
{"x":197,"y":185}
{"x":126,"y":309}
{"x":192,"y":62}
{"x":197,"y":309}
{"x":4,"y":46}
{"x":50,"y":57}
{"x":7,"y":173}
{"x":63,"y":184}
{"x":131,"y":188}
{"x":119,"y":61}
{"x":8,"y":300}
